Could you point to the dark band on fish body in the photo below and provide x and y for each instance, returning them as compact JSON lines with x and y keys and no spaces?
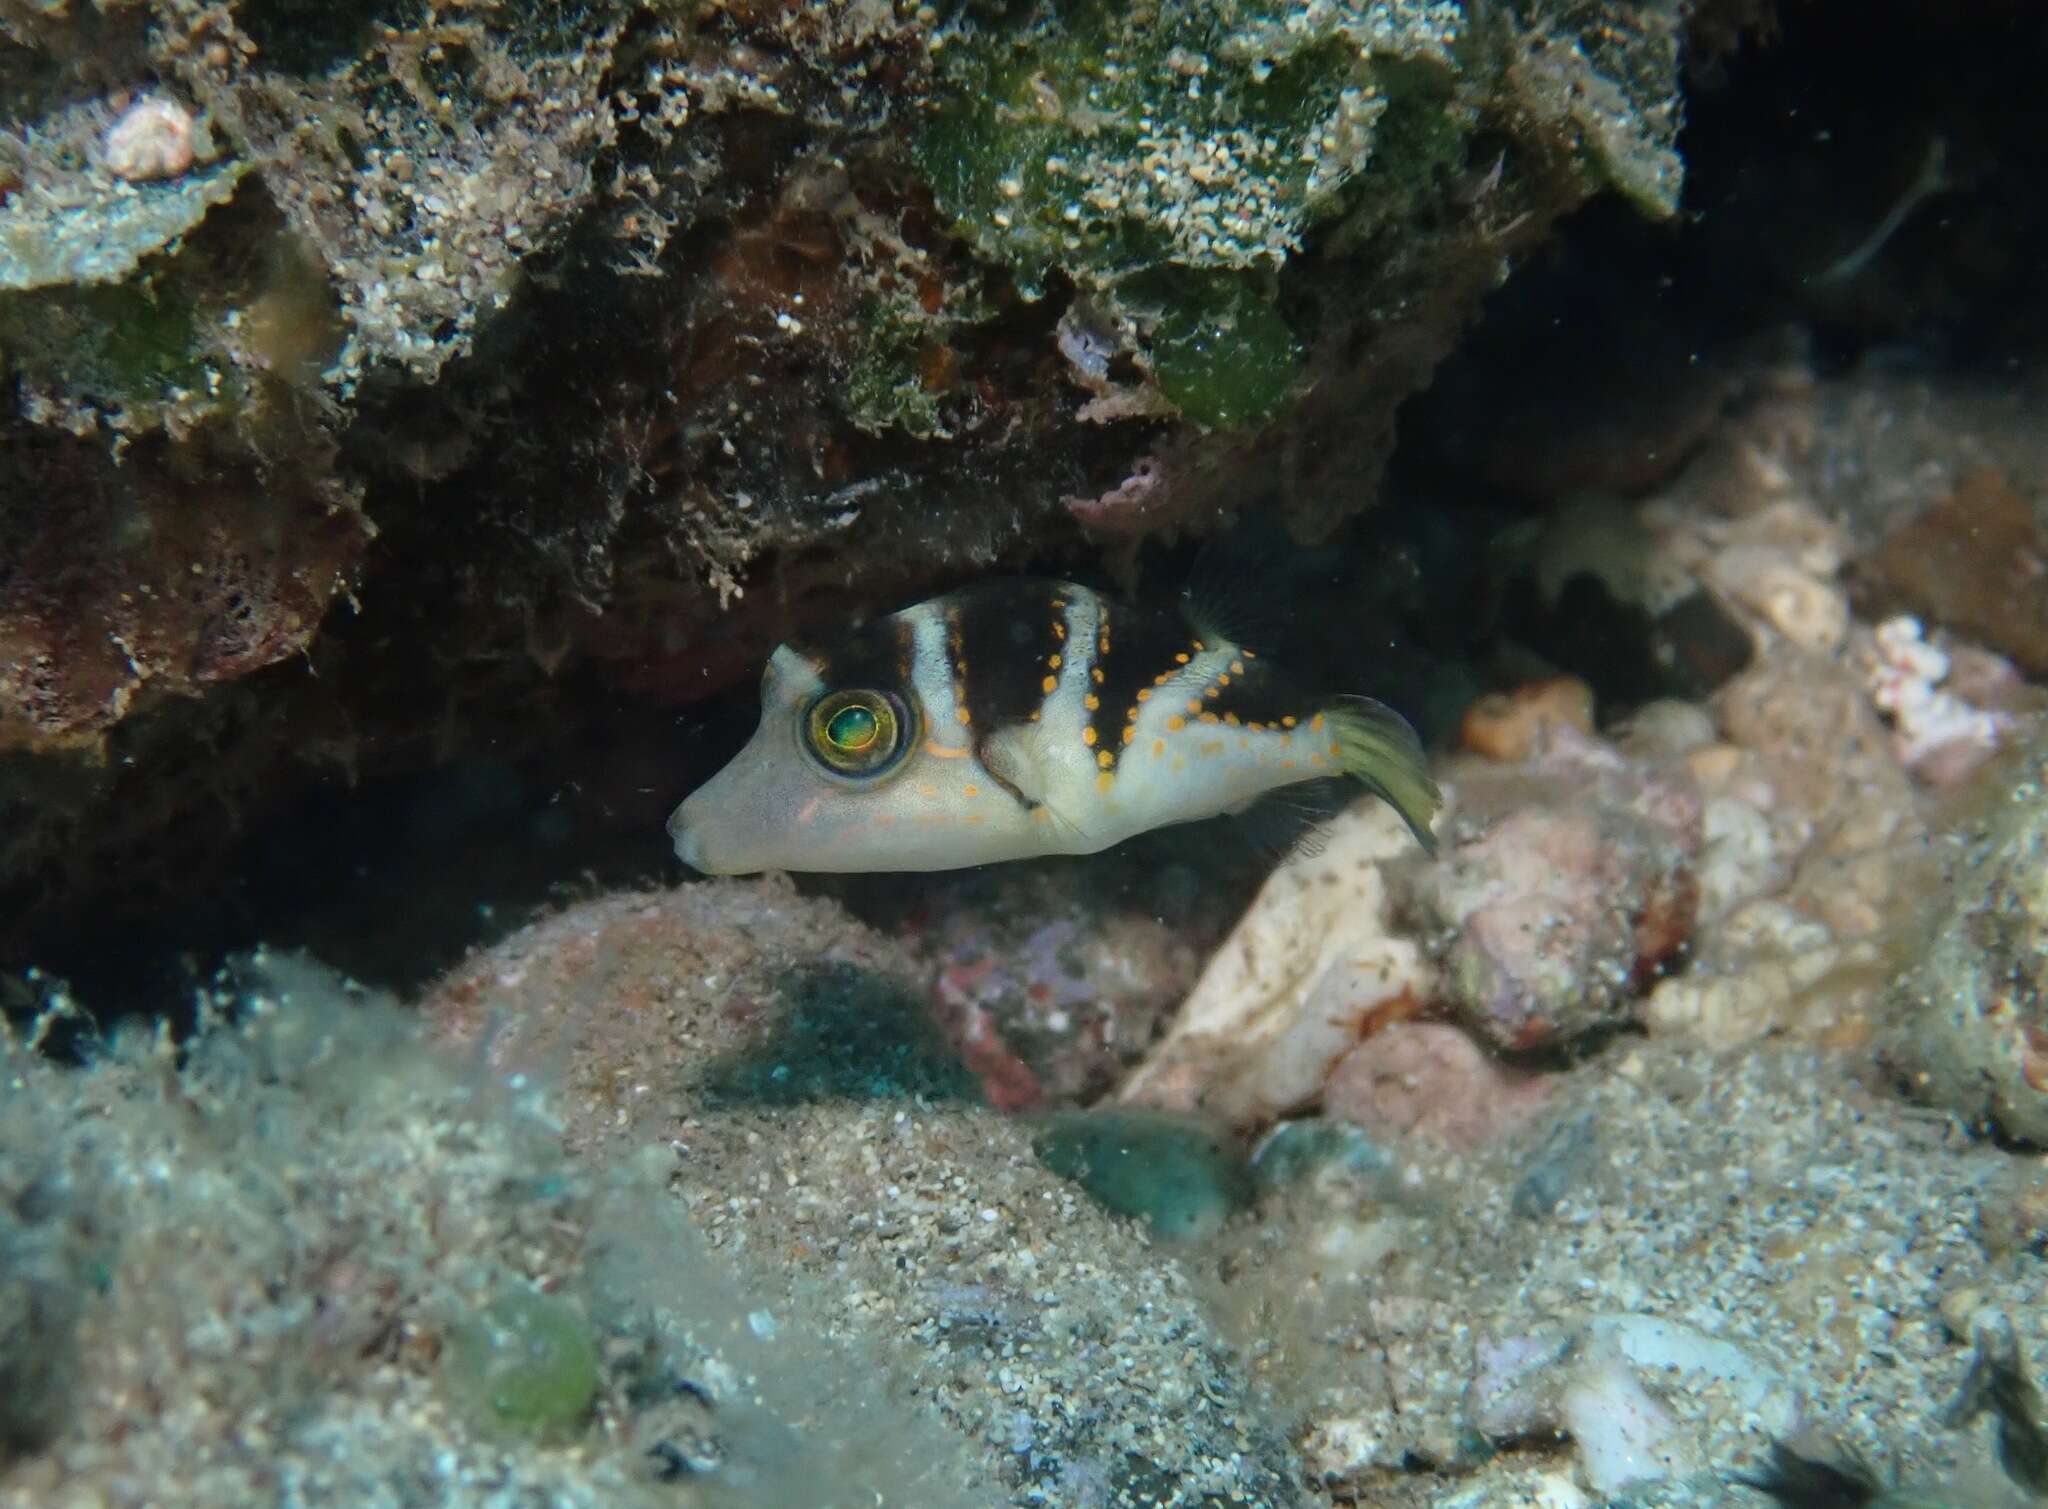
{"x":1010,"y":643}
{"x":1142,"y":647}
{"x":878,"y":655}
{"x":1251,"y":693}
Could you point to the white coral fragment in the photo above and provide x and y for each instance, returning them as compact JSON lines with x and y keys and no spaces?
{"x":1904,"y":677}
{"x":153,"y":139}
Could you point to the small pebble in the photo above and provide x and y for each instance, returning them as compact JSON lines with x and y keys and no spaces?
{"x":151,"y":140}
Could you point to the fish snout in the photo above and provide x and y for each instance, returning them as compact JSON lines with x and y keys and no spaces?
{"x":688,"y":839}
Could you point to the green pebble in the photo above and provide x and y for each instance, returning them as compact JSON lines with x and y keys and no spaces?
{"x":1182,"y":1175}
{"x":1297,"y":1150}
{"x":525,"y":1362}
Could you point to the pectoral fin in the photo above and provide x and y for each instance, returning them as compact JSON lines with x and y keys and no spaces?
{"x":1014,"y":761}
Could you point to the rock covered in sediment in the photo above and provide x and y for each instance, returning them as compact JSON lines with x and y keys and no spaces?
{"x":1567,"y":883}
{"x":1566,"y":1302}
{"x":1971,"y":1026}
{"x":1430,"y":1080}
{"x":781,"y":1058}
{"x":649,"y":1004}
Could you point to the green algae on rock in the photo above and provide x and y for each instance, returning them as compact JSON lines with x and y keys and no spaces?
{"x":1103,"y":140}
{"x":526,"y":1362}
{"x":1124,"y":148}
{"x":1219,"y":350}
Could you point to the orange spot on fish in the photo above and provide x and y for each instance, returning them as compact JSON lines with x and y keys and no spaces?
{"x":1316,"y":723}
{"x":1176,"y":723}
{"x":1158,"y":748}
{"x":1104,"y":781}
{"x":1144,"y":694}
{"x":1181,"y":658}
{"x":964,"y":716}
{"x":1091,"y":702}
{"x":940,"y":751}
{"x":1047,"y":686}
{"x":1054,"y":662}
{"x":1087,"y":736}
{"x":1288,"y":721}
{"x":1104,"y":758}
{"x":970,"y":789}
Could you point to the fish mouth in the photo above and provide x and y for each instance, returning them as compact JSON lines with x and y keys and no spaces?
{"x":688,"y":841}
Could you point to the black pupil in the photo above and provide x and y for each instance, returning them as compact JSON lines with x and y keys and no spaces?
{"x":852,"y":728}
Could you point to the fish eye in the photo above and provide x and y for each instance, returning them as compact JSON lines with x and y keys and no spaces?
{"x":857,"y":732}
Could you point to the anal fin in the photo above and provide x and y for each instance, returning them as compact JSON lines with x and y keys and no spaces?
{"x":1293,"y":821}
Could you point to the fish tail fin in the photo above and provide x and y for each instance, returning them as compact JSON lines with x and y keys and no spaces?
{"x":1376,"y":747}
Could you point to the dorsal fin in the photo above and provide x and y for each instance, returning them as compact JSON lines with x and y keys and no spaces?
{"x":1234,"y":589}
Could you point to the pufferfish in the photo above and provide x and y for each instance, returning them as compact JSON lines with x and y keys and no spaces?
{"x":1019,"y":718}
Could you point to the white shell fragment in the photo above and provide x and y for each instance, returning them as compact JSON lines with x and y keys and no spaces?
{"x":153,"y":139}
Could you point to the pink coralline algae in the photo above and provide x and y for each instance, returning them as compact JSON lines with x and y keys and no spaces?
{"x":1048,"y":1000}
{"x":1133,"y":506}
{"x":1568,"y":885}
{"x":1428,"y":1079}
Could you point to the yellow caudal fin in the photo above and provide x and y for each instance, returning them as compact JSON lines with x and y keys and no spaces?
{"x":1376,"y":746}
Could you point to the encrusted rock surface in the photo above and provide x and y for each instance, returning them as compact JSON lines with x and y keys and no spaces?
{"x":1971,"y":1015}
